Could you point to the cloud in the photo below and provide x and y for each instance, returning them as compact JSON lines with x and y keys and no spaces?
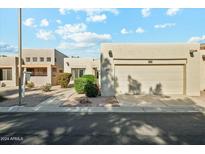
{"x":172,"y":12}
{"x":166,"y":25}
{"x":146,"y":12}
{"x":75,"y":46}
{"x":59,"y":21}
{"x":97,"y":18}
{"x":92,"y":15}
{"x":139,"y":30}
{"x":124,"y":31}
{"x":67,"y":29}
{"x":44,"y":35}
{"x":44,"y":23}
{"x":76,"y":36}
{"x":7,"y":48}
{"x":29,"y":22}
{"x":89,"y":37}
{"x":196,"y":39}
{"x":89,"y":12}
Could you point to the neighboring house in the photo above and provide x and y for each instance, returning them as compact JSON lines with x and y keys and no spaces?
{"x":8,"y":71}
{"x":80,"y":66}
{"x":44,"y":65}
{"x":152,"y":68}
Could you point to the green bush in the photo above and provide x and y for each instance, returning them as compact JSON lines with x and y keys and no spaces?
{"x":91,"y":89}
{"x":79,"y":85}
{"x":46,"y":87}
{"x":30,"y":85}
{"x":64,"y":79}
{"x":90,"y":77}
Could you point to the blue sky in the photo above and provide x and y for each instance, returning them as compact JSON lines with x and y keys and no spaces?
{"x":79,"y":32}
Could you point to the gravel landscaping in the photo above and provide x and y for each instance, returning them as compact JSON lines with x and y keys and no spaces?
{"x":32,"y":97}
{"x":80,"y":100}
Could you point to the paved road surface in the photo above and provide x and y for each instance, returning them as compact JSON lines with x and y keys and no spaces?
{"x":102,"y":128}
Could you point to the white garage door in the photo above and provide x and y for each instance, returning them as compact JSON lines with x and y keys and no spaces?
{"x":134,"y":79}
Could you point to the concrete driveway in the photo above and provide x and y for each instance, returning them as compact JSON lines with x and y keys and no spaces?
{"x":159,"y":103}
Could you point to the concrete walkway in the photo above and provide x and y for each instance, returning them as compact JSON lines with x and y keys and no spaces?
{"x":56,"y":100}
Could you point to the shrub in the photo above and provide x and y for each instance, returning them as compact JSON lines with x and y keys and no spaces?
{"x":30,"y":85}
{"x":91,"y":89}
{"x":79,"y":85}
{"x":46,"y":87}
{"x":64,"y":79}
{"x":90,"y":77}
{"x":3,"y":84}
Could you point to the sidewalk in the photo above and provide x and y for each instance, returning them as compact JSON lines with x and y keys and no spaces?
{"x":101,"y":109}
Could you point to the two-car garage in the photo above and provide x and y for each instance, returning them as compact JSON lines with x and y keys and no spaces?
{"x":144,"y":79}
{"x":130,"y":68}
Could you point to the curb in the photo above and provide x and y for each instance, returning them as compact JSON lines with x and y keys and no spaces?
{"x":98,"y":110}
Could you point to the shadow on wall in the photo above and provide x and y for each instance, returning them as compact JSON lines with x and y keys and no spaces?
{"x":134,"y":87}
{"x":107,"y":77}
{"x":157,"y":90}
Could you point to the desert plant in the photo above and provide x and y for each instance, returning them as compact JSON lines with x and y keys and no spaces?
{"x":64,"y":79}
{"x":79,"y":85}
{"x":91,"y":89}
{"x":30,"y":85}
{"x":3,"y":84}
{"x":46,"y":88}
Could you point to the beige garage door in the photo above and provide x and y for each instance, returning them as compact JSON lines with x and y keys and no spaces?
{"x":135,"y":79}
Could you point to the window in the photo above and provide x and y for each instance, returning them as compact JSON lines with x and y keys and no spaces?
{"x":5,"y":74}
{"x":41,"y":59}
{"x":28,"y":59}
{"x":77,"y":72}
{"x":55,"y":59}
{"x":48,"y":59}
{"x":34,"y":59}
{"x":38,"y":71}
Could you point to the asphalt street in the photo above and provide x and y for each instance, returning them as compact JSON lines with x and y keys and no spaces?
{"x":102,"y":128}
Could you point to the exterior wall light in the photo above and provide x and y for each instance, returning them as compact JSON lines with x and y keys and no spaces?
{"x":110,"y":53}
{"x":191,"y":52}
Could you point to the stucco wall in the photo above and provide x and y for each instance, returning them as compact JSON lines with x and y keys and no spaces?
{"x":87,"y":63}
{"x":42,"y":80}
{"x":153,"y":52}
{"x":10,"y":62}
{"x":59,"y":59}
{"x":202,"y":70}
{"x":39,"y":53}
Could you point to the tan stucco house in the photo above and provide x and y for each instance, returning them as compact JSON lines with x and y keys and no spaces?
{"x":80,"y":66}
{"x":8,"y":71}
{"x":44,"y":65}
{"x":130,"y":68}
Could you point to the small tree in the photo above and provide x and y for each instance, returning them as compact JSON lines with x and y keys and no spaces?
{"x":64,"y":79}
